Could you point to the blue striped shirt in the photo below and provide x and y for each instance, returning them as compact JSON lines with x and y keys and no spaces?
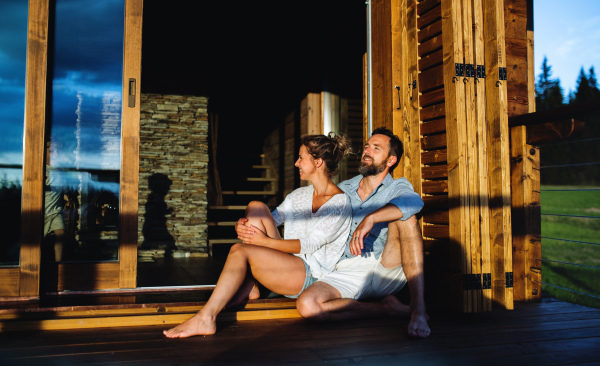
{"x":398,"y":192}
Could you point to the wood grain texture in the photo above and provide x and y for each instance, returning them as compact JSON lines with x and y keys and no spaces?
{"x":498,"y":153}
{"x":130,"y":135}
{"x":33,"y":150}
{"x":553,"y":332}
{"x":482,"y":151}
{"x":459,"y":230}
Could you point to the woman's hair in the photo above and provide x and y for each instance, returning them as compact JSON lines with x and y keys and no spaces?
{"x":330,"y":148}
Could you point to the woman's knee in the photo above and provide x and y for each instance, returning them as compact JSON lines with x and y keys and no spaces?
{"x":256,"y":206}
{"x":238,"y":249}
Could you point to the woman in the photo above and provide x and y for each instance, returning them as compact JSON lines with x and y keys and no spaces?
{"x":317,"y":223}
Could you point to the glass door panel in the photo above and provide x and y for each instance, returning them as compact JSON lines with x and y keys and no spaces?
{"x":83,"y":159}
{"x":13,"y":53}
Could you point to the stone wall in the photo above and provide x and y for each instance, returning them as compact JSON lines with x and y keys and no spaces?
{"x":173,"y":176}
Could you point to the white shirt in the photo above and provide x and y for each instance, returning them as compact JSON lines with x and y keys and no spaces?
{"x":322,"y":234}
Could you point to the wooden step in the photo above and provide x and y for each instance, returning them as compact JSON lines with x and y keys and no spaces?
{"x":222,"y":223}
{"x":101,"y":316}
{"x":212,"y":242}
{"x":262,"y":179}
{"x":231,"y":207}
{"x":249,"y":193}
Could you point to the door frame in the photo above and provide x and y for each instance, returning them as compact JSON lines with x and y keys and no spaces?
{"x":24,"y":281}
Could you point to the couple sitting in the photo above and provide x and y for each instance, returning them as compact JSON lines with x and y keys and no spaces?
{"x":349,"y":242}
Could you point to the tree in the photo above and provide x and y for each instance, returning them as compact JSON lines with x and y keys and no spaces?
{"x":587,"y":87}
{"x":548,"y":91}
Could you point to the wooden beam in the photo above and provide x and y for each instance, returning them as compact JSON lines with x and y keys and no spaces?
{"x":456,"y":135}
{"x":526,"y":214}
{"x":498,"y":153}
{"x":571,"y":111}
{"x":138,"y":320}
{"x":553,"y":131}
{"x":382,"y":86}
{"x":482,"y":153}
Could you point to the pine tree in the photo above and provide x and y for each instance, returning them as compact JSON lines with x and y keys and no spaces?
{"x":549,"y":93}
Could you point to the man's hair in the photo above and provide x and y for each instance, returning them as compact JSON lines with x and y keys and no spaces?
{"x":396,"y":148}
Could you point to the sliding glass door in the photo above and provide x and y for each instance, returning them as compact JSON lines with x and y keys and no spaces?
{"x":79,"y":149}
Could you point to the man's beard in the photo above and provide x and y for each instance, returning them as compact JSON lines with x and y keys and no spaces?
{"x":370,"y":169}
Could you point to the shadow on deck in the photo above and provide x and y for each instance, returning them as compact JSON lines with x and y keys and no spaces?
{"x":548,"y":333}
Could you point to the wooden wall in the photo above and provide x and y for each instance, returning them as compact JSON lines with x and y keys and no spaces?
{"x":454,"y":125}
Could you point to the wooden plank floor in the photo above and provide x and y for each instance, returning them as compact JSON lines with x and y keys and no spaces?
{"x":548,"y":333}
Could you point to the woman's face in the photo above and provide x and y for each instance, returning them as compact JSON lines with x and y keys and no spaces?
{"x":306,"y":163}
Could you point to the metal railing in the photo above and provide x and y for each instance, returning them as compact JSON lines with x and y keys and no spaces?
{"x":564,"y":275}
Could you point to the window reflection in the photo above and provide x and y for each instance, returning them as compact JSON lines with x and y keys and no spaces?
{"x":84,"y":144}
{"x":13,"y":52}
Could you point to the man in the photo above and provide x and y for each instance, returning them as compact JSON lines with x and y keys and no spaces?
{"x":384,"y":250}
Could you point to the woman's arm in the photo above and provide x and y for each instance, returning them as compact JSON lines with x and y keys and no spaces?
{"x":256,"y":237}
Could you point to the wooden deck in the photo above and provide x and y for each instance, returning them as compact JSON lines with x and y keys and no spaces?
{"x":548,"y":333}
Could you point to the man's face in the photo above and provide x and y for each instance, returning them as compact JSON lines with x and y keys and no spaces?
{"x":375,"y":156}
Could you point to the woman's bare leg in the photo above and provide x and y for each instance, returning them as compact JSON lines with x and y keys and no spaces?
{"x":259,"y":215}
{"x":280,"y":272}
{"x":248,"y":291}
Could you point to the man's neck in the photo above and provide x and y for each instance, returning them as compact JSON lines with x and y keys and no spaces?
{"x":368,"y":184}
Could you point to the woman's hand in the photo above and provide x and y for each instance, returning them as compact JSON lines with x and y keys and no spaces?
{"x":242,"y":226}
{"x":252,"y":235}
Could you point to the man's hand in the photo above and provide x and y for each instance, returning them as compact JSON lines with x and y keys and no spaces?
{"x":362,"y":231}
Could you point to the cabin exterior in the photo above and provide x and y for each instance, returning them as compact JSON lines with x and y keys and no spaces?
{"x":447,"y":76}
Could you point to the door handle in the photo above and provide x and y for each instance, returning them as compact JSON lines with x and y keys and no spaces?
{"x":131,"y":93}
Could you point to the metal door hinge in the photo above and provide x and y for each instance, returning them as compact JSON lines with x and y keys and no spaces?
{"x":480,"y":71}
{"x":509,"y":279}
{"x":502,"y":75}
{"x":459,"y":69}
{"x":487,"y":281}
{"x":472,"y":282}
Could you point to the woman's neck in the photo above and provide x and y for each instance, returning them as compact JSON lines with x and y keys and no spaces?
{"x":322,"y":185}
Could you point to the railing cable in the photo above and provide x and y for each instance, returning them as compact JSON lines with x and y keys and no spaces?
{"x":568,"y":263}
{"x":570,"y":241}
{"x":567,"y":289}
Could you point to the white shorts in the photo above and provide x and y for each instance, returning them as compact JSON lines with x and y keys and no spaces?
{"x":365,"y":277}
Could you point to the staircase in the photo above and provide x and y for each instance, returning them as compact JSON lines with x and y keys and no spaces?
{"x":257,"y":181}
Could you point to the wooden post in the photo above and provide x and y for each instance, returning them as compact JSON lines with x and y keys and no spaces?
{"x":482,"y":151}
{"x":525,"y":158}
{"x":456,"y":135}
{"x":498,"y":153}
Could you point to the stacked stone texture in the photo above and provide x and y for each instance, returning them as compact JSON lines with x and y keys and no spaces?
{"x":174,"y":147}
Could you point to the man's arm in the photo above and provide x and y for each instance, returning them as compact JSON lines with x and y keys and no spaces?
{"x":387,"y":213}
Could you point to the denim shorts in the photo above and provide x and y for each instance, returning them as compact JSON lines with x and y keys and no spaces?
{"x":308,"y":280}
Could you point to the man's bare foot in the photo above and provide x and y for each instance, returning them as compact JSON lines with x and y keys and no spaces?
{"x":418,"y":326}
{"x":196,"y":325}
{"x":396,"y":307}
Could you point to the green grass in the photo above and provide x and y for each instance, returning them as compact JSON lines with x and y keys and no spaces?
{"x":584,"y":229}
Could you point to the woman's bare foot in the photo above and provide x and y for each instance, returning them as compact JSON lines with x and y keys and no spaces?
{"x":396,"y":307}
{"x":418,"y":326}
{"x":196,"y":325}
